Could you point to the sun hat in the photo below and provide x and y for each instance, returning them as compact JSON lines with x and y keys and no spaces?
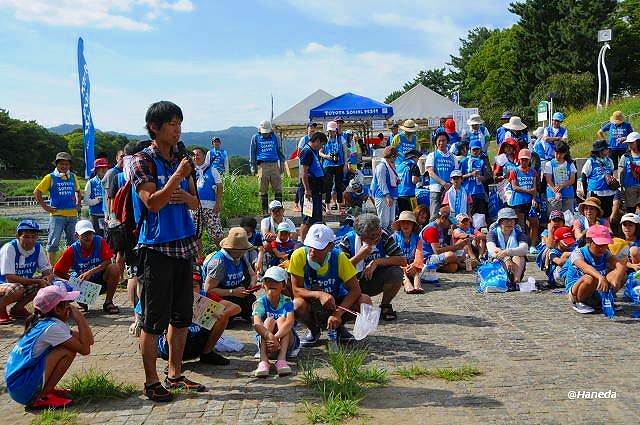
{"x":413,"y":153}
{"x":389,"y":152}
{"x":332,"y":126}
{"x":634,"y":136}
{"x":455,"y":173}
{"x":515,"y":123}
{"x":409,"y":126}
{"x":591,"y":201}
{"x":505,"y":115}
{"x":394,"y":125}
{"x":556,"y":215}
{"x":62,"y":156}
{"x":28,"y":225}
{"x":283,"y":227}
{"x":617,"y":118}
{"x":406,"y":216}
{"x":599,"y":146}
{"x":275,"y":204}
{"x":505,"y":213}
{"x":461,"y":217}
{"x":450,"y":125}
{"x":265,"y":127}
{"x":524,"y":153}
{"x":599,"y":234}
{"x":84,"y":226}
{"x":558,"y":116}
{"x":565,"y":235}
{"x":237,"y":239}
{"x":475,"y":145}
{"x":630,"y":217}
{"x":319,"y":236}
{"x":50,"y":296}
{"x":474,"y":119}
{"x":100,"y":162}
{"x":276,"y":274}
{"x":312,"y":124}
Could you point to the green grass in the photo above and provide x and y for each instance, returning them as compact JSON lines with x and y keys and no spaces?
{"x":464,"y":373}
{"x":93,"y":385}
{"x":8,"y":226}
{"x":56,"y":417}
{"x":583,"y":124}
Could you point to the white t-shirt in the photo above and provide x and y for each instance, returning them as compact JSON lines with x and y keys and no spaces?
{"x":561,"y":173}
{"x":8,"y":258}
{"x":55,"y":335}
{"x":435,"y":187}
{"x":267,"y":225}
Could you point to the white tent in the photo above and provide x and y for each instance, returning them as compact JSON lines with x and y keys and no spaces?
{"x":298,"y":114}
{"x":421,"y":103}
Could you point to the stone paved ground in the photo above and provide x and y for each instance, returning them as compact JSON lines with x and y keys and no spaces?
{"x":531,"y":348}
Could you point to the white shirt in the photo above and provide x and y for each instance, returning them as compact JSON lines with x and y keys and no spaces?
{"x":53,"y":336}
{"x":267,"y":225}
{"x":435,"y":187}
{"x":561,"y":173}
{"x":587,"y":169}
{"x":8,"y":258}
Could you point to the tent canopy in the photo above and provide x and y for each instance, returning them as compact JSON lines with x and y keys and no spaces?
{"x":420,"y":103}
{"x":298,"y":114}
{"x":352,"y":107}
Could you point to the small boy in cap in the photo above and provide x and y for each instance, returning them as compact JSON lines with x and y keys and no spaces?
{"x":476,"y":246}
{"x":457,"y":198}
{"x":564,"y":243}
{"x":282,"y":247}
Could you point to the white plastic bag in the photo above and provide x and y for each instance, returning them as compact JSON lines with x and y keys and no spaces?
{"x":366,"y":321}
{"x":228,"y":344}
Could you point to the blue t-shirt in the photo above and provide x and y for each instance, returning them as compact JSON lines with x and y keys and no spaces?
{"x":263,"y":308}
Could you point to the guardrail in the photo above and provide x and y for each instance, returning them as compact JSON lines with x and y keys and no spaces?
{"x":19,"y":201}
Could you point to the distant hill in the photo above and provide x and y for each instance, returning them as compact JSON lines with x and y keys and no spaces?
{"x":234,"y":139}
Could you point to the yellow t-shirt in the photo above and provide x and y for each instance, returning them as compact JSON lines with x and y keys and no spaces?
{"x":396,"y":140}
{"x":298,"y":262}
{"x":45,"y":185}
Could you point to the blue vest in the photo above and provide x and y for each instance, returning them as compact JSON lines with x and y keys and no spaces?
{"x":454,"y":137}
{"x":333,"y":147}
{"x":500,"y":131}
{"x":566,"y":192}
{"x":627,"y":177}
{"x":173,"y":222}
{"x":315,"y":169}
{"x":545,"y":150}
{"x":218,"y":158}
{"x":82,"y":264}
{"x":206,"y":185}
{"x":358,"y":199}
{"x":379,"y":253}
{"x":270,"y":311}
{"x":574,"y":273}
{"x":30,"y":265}
{"x":597,"y":179}
{"x":478,"y":135}
{"x":97,"y":191}
{"x":500,"y":243}
{"x":526,"y":180}
{"x":556,"y":133}
{"x":472,"y":185}
{"x":406,"y":187}
{"x":234,"y":273}
{"x":375,"y":186}
{"x":408,"y":249}
{"x":24,"y":372}
{"x":405,"y":146}
{"x":267,"y":148}
{"x":442,"y":166}
{"x":422,"y":196}
{"x":427,"y":249}
{"x":62,"y":193}
{"x":330,"y":282}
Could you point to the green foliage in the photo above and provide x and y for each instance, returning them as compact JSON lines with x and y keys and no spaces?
{"x":240,"y":196}
{"x":18,"y":187}
{"x":571,"y":90}
{"x":239,"y":165}
{"x":393,"y":96}
{"x":468,"y":47}
{"x":622,"y":60}
{"x":336,"y":409}
{"x":464,"y":373}
{"x":7,"y":226}
{"x":56,"y":417}
{"x":93,"y":385}
{"x":106,"y":143}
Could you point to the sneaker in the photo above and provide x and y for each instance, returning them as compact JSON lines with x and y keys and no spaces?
{"x":157,"y":392}
{"x":344,"y":336}
{"x":263,"y":370}
{"x":214,"y":358}
{"x":49,"y":401}
{"x":19,"y":313}
{"x":4,"y":317}
{"x":310,"y":339}
{"x":533,"y":250}
{"x":582,"y":308}
{"x":283,"y":368}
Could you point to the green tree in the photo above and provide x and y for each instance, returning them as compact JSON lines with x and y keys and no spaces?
{"x":393,"y":96}
{"x":438,"y":80}
{"x":571,"y":90}
{"x":624,"y":57}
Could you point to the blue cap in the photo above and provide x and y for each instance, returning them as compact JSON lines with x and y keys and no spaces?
{"x":28,"y":225}
{"x":475,"y":145}
{"x":558,"y":116}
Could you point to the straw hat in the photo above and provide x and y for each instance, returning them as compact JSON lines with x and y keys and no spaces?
{"x":515,"y":123}
{"x":617,"y":118}
{"x":409,"y":126}
{"x":405,"y":216}
{"x":474,"y":119}
{"x":237,"y":239}
{"x":592,"y":202}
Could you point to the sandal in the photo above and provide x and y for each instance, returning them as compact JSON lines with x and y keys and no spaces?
{"x":182,"y":383}
{"x":419,"y":290}
{"x":110,"y":308}
{"x":388,"y":314}
{"x":157,"y":392}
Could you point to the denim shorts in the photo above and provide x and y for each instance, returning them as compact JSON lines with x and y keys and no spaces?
{"x":58,"y":224}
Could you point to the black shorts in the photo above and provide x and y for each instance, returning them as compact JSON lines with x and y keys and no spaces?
{"x":381,"y":276}
{"x":167,"y":291}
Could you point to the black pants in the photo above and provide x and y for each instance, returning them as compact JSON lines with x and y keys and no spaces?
{"x":245,"y":303}
{"x":335,"y":175}
{"x":607,"y":205}
{"x":479,"y":206}
{"x":404,"y":204}
{"x":615,"y":156}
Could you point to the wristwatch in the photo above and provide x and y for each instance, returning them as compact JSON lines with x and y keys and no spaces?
{"x":230,"y":291}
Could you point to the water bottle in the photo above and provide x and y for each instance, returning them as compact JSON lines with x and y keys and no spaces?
{"x":429,"y":275}
{"x":332,"y":340}
{"x":467,"y":263}
{"x":532,"y":283}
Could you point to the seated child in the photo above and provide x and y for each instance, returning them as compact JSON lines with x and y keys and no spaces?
{"x":547,"y":241}
{"x":559,"y":256}
{"x":249,"y":224}
{"x":476,"y":246}
{"x":281,"y":248}
{"x":46,"y":350}
{"x":273,"y":320}
{"x":407,"y":236}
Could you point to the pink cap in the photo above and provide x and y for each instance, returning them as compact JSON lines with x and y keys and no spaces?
{"x":332,"y":126}
{"x":524,"y":153}
{"x":599,"y":234}
{"x":49,"y":297}
{"x":100,"y":162}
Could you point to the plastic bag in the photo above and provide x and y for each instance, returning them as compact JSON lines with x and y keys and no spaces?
{"x":492,"y":277}
{"x":608,"y":305}
{"x":632,"y":289}
{"x":479,"y":221}
{"x":494,"y":203}
{"x":228,"y":344}
{"x":366,"y":321}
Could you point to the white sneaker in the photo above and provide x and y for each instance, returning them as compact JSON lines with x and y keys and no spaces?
{"x":582,"y":308}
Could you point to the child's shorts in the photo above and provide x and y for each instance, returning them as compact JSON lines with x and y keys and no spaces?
{"x":25,"y":387}
{"x":437,"y":258}
{"x":292,"y":351}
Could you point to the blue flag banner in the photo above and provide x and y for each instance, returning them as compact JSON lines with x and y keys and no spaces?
{"x":87,"y":122}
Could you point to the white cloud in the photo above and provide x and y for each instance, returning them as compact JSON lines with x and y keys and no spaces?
{"x":131,"y":15}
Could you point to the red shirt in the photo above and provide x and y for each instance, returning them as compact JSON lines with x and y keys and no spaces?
{"x":64,"y":263}
{"x":431,"y":235}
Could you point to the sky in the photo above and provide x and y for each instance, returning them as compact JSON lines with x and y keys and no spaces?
{"x":220,"y":60}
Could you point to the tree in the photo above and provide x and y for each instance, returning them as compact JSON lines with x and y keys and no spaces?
{"x":105,"y":143}
{"x":393,"y":96}
{"x":624,"y":57}
{"x":571,"y":90}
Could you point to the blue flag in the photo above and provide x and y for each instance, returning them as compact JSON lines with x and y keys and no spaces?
{"x":87,"y":122}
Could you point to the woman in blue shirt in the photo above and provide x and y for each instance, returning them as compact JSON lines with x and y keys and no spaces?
{"x":618,"y":130}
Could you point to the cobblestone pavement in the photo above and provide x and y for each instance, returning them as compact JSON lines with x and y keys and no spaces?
{"x":531,"y":348}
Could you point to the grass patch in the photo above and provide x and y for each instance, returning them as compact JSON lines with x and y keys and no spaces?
{"x":92,"y":385}
{"x":25,"y":187}
{"x":56,"y":417}
{"x":464,"y":373}
{"x":8,"y":226}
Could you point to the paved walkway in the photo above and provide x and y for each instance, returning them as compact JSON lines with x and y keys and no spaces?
{"x":531,"y":348}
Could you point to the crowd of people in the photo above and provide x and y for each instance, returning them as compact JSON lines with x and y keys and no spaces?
{"x":445,"y":208}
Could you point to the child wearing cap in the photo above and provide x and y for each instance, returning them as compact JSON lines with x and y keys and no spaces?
{"x":474,"y":168}
{"x":46,"y":350}
{"x":507,"y":243}
{"x":560,"y":175}
{"x":94,"y":195}
{"x":590,"y":213}
{"x":564,"y":243}
{"x":630,"y":224}
{"x":593,"y":267}
{"x":476,"y":241}
{"x":457,"y":198}
{"x":20,"y":259}
{"x":525,"y":193}
{"x":556,"y":220}
{"x":282,"y":247}
{"x":273,"y":320}
{"x":407,"y":236}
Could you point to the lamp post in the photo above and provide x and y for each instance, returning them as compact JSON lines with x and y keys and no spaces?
{"x":604,"y":36}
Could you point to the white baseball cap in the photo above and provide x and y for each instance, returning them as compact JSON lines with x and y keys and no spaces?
{"x":630,"y":217}
{"x":632,"y":137}
{"x":265,"y":127}
{"x":319,"y":236}
{"x":275,"y":204}
{"x":456,"y":173}
{"x":275,"y":273}
{"x":332,"y":125}
{"x":84,"y":226}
